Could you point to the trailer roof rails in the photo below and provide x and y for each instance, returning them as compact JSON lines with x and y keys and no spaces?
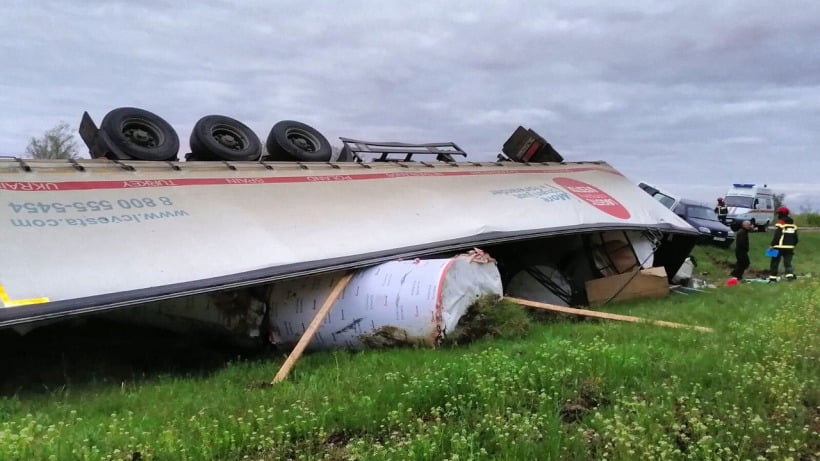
{"x":19,"y":160}
{"x":444,"y":151}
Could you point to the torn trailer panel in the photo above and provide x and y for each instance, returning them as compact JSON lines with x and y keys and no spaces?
{"x":135,"y":232}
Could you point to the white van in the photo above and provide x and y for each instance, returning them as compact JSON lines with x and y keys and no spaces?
{"x":749,"y":202}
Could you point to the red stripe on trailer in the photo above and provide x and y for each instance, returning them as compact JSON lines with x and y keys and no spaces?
{"x":26,"y":186}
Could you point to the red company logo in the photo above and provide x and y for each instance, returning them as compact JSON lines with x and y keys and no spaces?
{"x":594,"y":196}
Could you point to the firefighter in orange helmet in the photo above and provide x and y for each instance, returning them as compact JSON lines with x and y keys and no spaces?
{"x":783,"y":241}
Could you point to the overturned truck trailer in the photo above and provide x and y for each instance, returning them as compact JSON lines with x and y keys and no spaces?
{"x":78,"y":241}
{"x":88,"y":236}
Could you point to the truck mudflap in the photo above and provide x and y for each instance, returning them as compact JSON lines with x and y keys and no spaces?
{"x":86,"y":236}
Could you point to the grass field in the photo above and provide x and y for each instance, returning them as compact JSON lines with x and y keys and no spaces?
{"x":715,"y":264}
{"x":810,"y":219}
{"x":566,"y":389}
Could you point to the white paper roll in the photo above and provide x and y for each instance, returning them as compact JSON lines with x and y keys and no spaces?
{"x":399,"y":302}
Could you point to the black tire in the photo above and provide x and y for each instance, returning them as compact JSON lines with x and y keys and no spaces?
{"x":763,"y":228}
{"x":140,"y":134}
{"x":216,"y":137}
{"x":294,"y":141}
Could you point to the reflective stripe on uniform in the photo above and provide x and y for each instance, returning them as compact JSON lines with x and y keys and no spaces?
{"x":789,"y":230}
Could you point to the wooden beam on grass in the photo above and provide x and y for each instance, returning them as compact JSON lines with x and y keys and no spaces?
{"x":294,"y":355}
{"x":605,"y":315}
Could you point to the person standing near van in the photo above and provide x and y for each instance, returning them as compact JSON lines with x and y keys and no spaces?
{"x":742,"y":250}
{"x":783,"y":241}
{"x":721,"y":210}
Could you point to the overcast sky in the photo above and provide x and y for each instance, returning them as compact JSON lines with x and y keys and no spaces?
{"x":691,"y":95}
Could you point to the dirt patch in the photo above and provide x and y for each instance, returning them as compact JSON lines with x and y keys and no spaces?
{"x":590,"y":396}
{"x":389,"y":337}
{"x":730,"y":266}
{"x":259,"y":385}
{"x":594,"y":442}
{"x":813,"y":407}
{"x":342,"y":438}
{"x":572,"y":412}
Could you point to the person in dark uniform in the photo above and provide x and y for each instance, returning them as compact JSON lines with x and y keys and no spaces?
{"x":721,"y":210}
{"x":742,"y":250}
{"x":784,"y":241}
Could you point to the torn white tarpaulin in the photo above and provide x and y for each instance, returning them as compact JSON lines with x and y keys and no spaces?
{"x":399,"y":302}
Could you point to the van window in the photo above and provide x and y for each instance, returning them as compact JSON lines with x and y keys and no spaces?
{"x":769,"y":205}
{"x":757,"y":204}
{"x":666,"y":200}
{"x":738,"y":201}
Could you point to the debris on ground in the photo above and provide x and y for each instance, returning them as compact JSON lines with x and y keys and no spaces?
{"x":490,"y":317}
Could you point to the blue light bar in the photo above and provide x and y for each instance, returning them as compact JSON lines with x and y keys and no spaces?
{"x":744,"y":185}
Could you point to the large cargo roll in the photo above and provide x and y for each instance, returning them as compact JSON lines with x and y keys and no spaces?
{"x":415,"y":302}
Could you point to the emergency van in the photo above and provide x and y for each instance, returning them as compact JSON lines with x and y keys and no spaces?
{"x":749,"y":202}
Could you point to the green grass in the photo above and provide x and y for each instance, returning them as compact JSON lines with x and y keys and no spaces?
{"x":566,"y":390}
{"x":809,"y":219}
{"x":715,"y":264}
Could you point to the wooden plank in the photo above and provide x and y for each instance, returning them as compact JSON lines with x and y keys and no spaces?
{"x":297,"y":351}
{"x":605,"y":315}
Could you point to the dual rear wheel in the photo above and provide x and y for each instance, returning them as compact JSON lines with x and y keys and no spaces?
{"x":130,"y":133}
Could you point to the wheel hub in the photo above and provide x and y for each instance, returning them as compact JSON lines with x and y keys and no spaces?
{"x":227,"y":140}
{"x":228,"y":137}
{"x":139,"y":136}
{"x":301,"y":143}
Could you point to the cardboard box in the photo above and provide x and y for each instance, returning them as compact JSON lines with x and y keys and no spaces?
{"x":648,"y":283}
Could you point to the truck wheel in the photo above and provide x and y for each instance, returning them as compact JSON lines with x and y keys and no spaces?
{"x":216,"y":137}
{"x":764,"y":227}
{"x":294,"y":141}
{"x":141,"y":134}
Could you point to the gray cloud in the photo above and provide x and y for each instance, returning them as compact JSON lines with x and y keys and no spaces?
{"x":695,"y":95}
